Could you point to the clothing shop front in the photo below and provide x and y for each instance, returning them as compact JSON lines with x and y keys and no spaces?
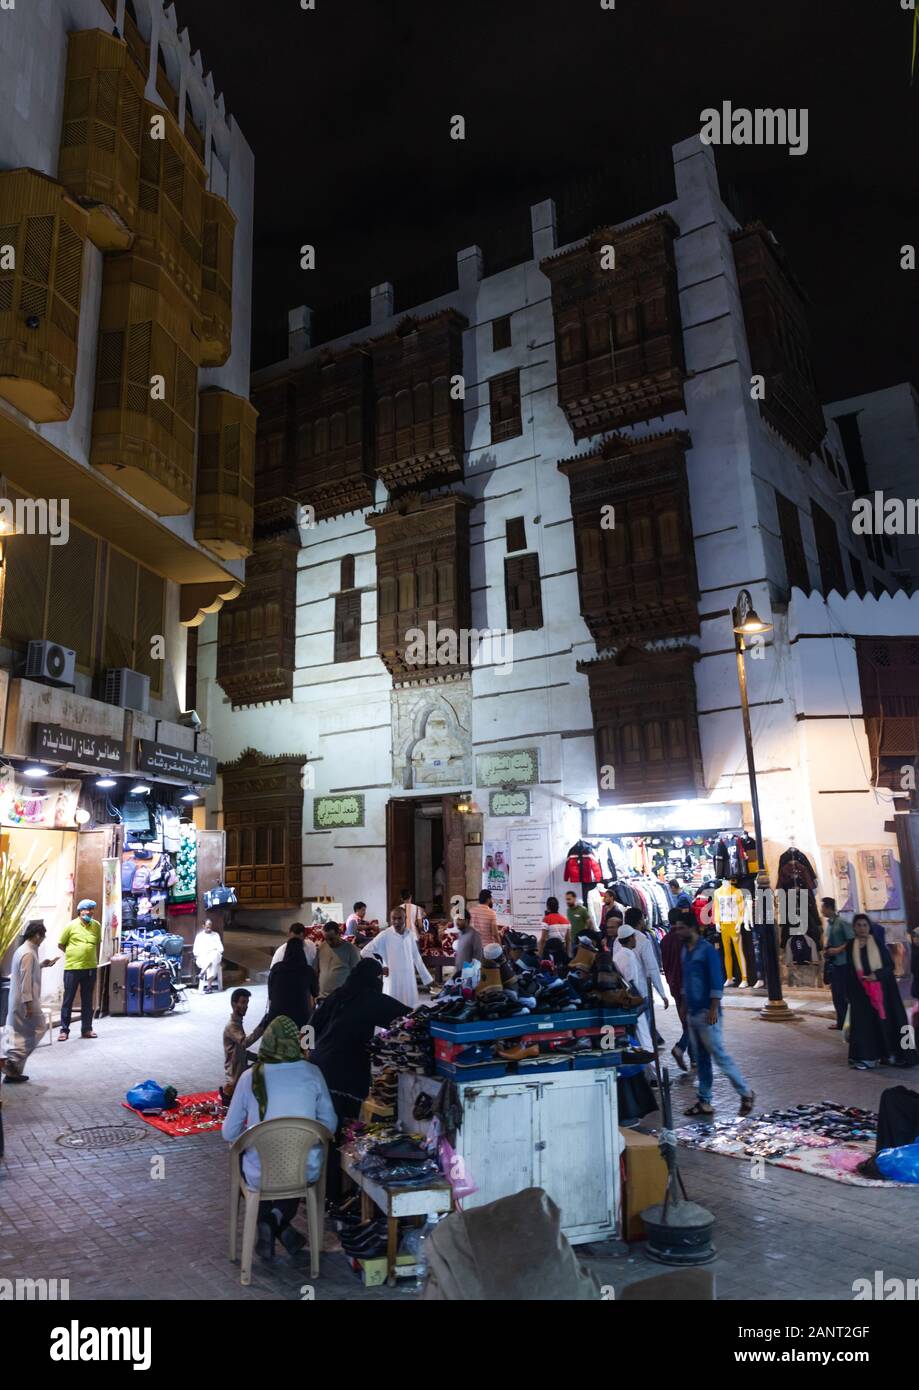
{"x":100,"y":809}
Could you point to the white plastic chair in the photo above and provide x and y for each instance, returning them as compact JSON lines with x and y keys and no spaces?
{"x":283,"y":1147}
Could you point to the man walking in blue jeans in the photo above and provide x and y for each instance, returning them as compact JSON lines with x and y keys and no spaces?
{"x":703,"y":987}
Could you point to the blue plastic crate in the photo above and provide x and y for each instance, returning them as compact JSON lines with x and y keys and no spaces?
{"x":519,"y":1024}
{"x":486,"y":1071}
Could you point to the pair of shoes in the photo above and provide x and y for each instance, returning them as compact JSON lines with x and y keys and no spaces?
{"x":358,"y":1244}
{"x":746,"y":1104}
{"x":678,"y":1056}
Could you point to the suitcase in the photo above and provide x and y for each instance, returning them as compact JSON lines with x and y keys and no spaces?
{"x":157,"y":997}
{"x":135,"y":986}
{"x":118,"y":984}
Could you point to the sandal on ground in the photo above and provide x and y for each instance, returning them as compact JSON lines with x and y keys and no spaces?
{"x":700,"y":1108}
{"x":746,"y":1103}
{"x":62,"y":1036}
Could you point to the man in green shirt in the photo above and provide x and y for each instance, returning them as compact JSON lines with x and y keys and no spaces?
{"x":80,"y":944}
{"x":838,"y":935}
{"x":579,"y":920}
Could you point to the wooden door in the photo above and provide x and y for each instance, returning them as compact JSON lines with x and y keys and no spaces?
{"x":454,"y":850}
{"x":400,"y":851}
{"x":211,"y":846}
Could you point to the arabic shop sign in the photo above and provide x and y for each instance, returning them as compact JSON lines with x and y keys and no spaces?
{"x":337,"y":812}
{"x":161,"y":759}
{"x":516,"y":766}
{"x":509,"y":803}
{"x":55,"y":743}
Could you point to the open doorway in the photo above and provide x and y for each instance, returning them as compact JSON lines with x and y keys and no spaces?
{"x":425,"y":851}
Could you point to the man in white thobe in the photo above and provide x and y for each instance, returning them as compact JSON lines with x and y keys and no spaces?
{"x":208,"y":953}
{"x":397,"y":951}
{"x":639,"y":966}
{"x":25,"y":1023}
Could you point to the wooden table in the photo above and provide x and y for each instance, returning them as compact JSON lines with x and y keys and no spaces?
{"x":396,"y":1202}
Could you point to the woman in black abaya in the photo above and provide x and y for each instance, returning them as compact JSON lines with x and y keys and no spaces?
{"x":877,"y":1018}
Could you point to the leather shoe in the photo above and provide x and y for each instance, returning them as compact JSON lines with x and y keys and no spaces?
{"x":265,"y":1236}
{"x":293,"y":1241}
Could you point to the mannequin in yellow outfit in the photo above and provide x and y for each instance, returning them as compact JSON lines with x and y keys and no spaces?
{"x":728,"y":914}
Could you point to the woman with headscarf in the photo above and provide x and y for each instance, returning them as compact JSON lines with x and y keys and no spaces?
{"x":877,"y":1019}
{"x":281,"y":1085}
{"x":292,"y":985}
{"x":343,"y":1028}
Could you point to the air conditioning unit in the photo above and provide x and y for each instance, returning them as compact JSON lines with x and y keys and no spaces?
{"x":127,"y":688}
{"x":51,"y":663}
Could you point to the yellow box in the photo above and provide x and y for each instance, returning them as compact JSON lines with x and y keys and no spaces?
{"x":373,"y":1272}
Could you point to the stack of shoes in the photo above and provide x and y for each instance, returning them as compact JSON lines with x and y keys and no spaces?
{"x":365,"y":1242}
{"x":385,"y":1088}
{"x":407,"y":1046}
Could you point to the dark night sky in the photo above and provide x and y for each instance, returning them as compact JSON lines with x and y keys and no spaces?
{"x":347,"y":109}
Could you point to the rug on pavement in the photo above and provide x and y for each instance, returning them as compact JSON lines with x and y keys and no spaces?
{"x":825,"y":1139}
{"x":192,"y":1115}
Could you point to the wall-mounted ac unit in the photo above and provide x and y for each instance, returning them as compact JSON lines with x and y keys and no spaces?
{"x":51,"y":663}
{"x":127,"y":688}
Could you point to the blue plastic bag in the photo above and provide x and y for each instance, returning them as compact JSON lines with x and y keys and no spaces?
{"x":900,"y":1165}
{"x":146,"y":1095}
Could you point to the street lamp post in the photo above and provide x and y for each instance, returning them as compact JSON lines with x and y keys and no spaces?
{"x":748,"y":623}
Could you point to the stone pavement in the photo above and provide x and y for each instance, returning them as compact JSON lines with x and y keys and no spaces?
{"x":101,"y":1219}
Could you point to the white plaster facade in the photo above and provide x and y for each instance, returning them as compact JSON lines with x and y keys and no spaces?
{"x":341,"y":715}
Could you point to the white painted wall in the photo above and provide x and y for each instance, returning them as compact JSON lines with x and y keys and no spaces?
{"x":340,"y":716}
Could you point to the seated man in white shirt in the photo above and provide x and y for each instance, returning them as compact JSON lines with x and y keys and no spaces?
{"x":208,"y":953}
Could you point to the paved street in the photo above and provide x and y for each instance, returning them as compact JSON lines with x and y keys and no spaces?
{"x":100,"y":1219}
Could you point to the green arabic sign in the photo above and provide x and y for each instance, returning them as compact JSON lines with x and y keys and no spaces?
{"x":514,"y":767}
{"x":509,"y":803}
{"x":338,"y":812}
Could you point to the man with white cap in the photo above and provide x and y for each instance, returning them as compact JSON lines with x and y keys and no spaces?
{"x":633,"y":956}
{"x":80,"y":941}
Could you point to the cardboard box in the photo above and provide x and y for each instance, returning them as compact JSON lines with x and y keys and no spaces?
{"x":644,"y":1180}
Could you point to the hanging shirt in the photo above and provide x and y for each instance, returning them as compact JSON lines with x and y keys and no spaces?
{"x":399,"y":954}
